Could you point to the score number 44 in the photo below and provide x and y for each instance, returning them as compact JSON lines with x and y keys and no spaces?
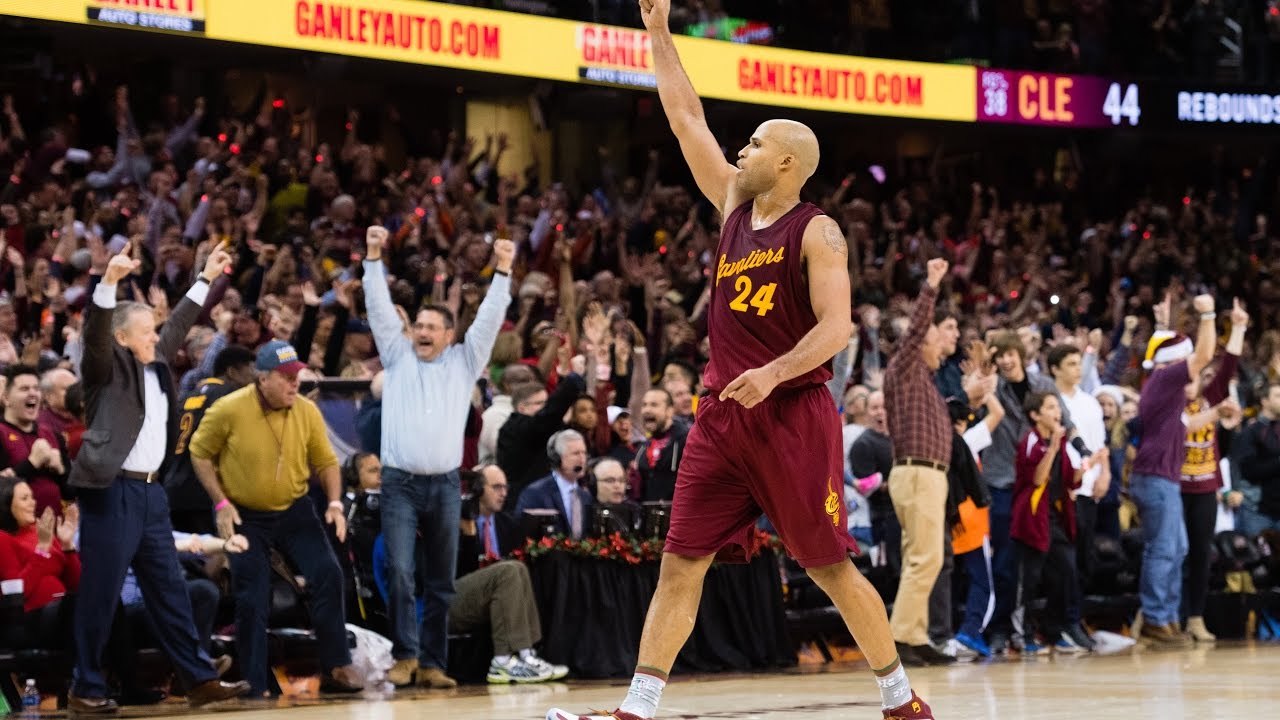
{"x":1122,"y":103}
{"x":762,"y":301}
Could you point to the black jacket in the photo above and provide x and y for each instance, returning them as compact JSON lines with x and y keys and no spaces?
{"x":872,"y":453}
{"x":522,"y":441}
{"x":185,"y":491}
{"x":113,"y":394}
{"x":657,"y":479}
{"x":963,"y":480}
{"x":1258,"y":462}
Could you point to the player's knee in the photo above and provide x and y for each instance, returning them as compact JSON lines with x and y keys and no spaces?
{"x":681,"y":569}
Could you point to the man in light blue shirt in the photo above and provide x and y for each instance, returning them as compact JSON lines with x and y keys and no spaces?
{"x":425,"y":399}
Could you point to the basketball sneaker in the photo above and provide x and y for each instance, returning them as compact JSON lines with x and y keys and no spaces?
{"x":558,"y":714}
{"x":974,"y":643}
{"x":913,"y":709}
{"x":1066,"y":646}
{"x":1033,"y":648}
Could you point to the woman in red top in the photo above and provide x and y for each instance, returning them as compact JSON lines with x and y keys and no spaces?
{"x":40,"y":553}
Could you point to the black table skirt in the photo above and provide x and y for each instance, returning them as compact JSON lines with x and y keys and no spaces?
{"x":593,"y":612}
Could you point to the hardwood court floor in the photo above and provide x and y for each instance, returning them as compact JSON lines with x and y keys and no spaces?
{"x":1241,"y":682}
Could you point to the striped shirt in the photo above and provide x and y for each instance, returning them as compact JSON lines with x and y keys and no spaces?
{"x":918,"y":419}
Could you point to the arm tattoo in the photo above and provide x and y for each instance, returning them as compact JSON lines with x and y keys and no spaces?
{"x":835,"y":240}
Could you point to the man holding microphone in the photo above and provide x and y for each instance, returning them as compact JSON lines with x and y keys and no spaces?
{"x":426,"y":395}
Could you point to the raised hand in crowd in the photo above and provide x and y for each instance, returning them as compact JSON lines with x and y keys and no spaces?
{"x":122,"y":265}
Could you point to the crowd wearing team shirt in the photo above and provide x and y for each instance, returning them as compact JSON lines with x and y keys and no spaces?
{"x":1081,"y":362}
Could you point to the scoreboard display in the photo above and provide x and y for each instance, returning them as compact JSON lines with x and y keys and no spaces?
{"x":1035,"y":98}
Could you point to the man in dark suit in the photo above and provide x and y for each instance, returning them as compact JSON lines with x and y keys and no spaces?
{"x":124,"y":514}
{"x":496,"y":593}
{"x":561,"y":490}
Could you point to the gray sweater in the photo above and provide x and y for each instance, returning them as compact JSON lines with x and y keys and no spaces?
{"x":998,"y":461}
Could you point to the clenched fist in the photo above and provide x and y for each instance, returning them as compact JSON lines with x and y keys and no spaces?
{"x":375,"y":238}
{"x":1203,"y":304}
{"x":504,"y":254}
{"x":937,"y":270}
{"x":654,"y":13}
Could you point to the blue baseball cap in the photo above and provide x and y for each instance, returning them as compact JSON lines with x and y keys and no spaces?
{"x":279,"y":356}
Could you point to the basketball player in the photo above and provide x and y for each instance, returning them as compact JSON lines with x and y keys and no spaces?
{"x":767,"y":436}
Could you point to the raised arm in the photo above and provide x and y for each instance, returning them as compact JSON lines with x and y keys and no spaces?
{"x":922,"y":313}
{"x":1206,"y":336}
{"x":680,"y":102}
{"x":493,"y":310}
{"x":388,"y":331}
{"x":825,"y":253}
{"x":174,"y":332}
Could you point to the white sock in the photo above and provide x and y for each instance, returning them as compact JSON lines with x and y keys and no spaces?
{"x":502,"y":659}
{"x":526,"y":653}
{"x":644,"y":695}
{"x":895,"y":689}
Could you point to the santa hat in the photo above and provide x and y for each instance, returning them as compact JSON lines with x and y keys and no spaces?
{"x":1166,"y":347}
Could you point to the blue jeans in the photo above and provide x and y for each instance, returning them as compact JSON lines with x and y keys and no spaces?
{"x":300,"y":536}
{"x":432,"y":505}
{"x":1004,"y":561}
{"x":981,"y":602}
{"x":1165,"y":536}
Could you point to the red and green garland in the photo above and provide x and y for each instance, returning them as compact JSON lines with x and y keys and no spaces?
{"x":622,"y":549}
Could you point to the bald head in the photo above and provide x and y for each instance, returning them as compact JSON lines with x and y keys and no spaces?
{"x":53,"y":387}
{"x":794,"y":138}
{"x":516,"y":374}
{"x":782,"y":154}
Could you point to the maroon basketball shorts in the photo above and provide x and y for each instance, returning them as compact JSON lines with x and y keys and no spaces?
{"x":780,"y":458}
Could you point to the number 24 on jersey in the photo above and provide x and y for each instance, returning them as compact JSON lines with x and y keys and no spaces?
{"x":761,"y":301}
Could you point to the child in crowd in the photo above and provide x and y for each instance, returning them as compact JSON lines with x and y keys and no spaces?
{"x":1044,"y":526}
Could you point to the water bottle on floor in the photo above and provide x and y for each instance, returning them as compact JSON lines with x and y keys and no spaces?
{"x":31,"y":699}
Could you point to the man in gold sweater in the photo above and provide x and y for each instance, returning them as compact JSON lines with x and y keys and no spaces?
{"x":254,"y":453}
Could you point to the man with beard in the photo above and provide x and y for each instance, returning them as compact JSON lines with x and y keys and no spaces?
{"x":767,"y":439}
{"x":658,"y":458}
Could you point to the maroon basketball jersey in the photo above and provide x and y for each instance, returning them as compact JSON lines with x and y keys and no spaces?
{"x":760,"y":297}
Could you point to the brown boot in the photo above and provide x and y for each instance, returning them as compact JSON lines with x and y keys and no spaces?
{"x":91,"y":706}
{"x":1163,"y":636}
{"x":435,"y":678}
{"x":1198,"y":632}
{"x":212,"y":691}
{"x":401,"y":674}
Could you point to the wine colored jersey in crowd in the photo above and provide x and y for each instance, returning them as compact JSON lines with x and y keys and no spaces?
{"x":760,"y":298}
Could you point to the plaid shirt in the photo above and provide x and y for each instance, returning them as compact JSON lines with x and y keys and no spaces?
{"x":918,"y":419}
